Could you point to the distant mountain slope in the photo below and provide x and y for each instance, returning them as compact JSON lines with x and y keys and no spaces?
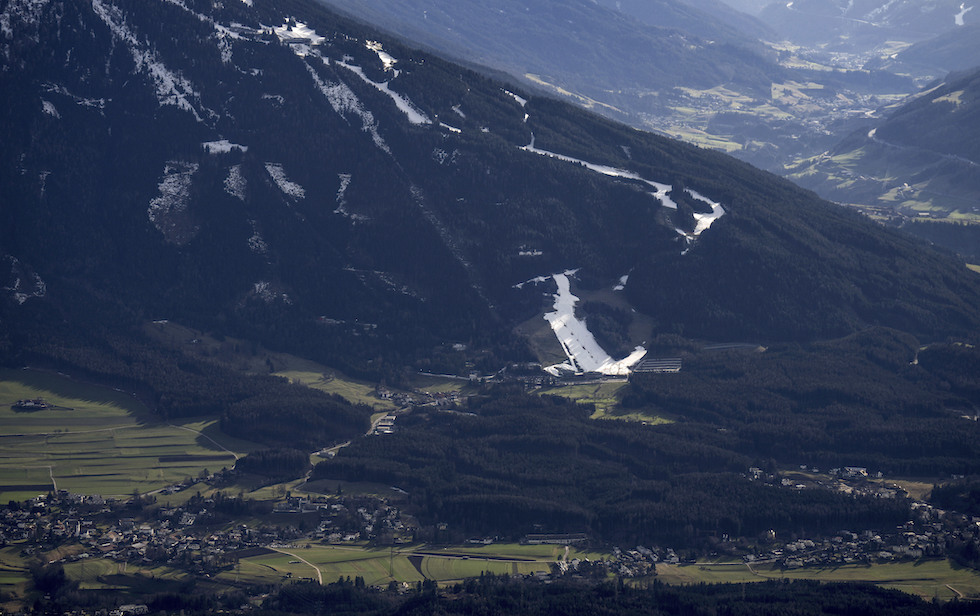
{"x":863,"y":24}
{"x":920,"y":162}
{"x":951,"y":51}
{"x":288,"y":176}
{"x":707,"y":19}
{"x":584,"y":46}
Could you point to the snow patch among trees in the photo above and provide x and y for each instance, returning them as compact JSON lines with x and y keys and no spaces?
{"x":235,"y":183}
{"x":22,"y":283}
{"x":222,"y":146}
{"x":49,"y":108}
{"x":172,"y":88}
{"x":289,"y":188}
{"x":167,"y":211}
{"x":345,"y":102}
{"x":414,"y":114}
{"x":387,"y":61}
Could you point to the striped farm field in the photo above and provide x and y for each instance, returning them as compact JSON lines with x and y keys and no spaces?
{"x":95,"y":440}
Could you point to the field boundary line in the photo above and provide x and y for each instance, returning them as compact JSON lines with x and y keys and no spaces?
{"x":319,"y":575}
{"x":217,"y":444}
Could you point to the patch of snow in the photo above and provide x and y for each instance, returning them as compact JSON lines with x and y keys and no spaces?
{"x":661,"y":189}
{"x":166,"y":211}
{"x":703,"y":221}
{"x":451,"y":129}
{"x":536,"y":280}
{"x":248,"y":2}
{"x":386,"y":59}
{"x":580,"y":346}
{"x":172,"y":88}
{"x":235,"y":183}
{"x":345,"y":102}
{"x":289,"y":188}
{"x":256,"y":243}
{"x":299,"y":32}
{"x":345,"y":179}
{"x":958,"y":19}
{"x":414,"y":114}
{"x":443,"y":157}
{"x":49,"y":108}
{"x":529,"y":252}
{"x":520,"y":101}
{"x":222,"y":146}
{"x":96,"y":103}
{"x":459,"y":111}
{"x":27,"y":12}
{"x":15,"y":283}
{"x":263,"y":290}
{"x":274,"y":97}
{"x":622,"y":283}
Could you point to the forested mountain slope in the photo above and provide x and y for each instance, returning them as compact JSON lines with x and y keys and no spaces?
{"x":283,"y":174}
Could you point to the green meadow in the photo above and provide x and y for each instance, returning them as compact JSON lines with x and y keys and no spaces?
{"x":929,"y":579}
{"x":94,"y":440}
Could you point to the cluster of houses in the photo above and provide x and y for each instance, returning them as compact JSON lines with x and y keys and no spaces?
{"x":187,"y":536}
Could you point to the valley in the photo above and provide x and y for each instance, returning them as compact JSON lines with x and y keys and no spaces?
{"x":352,"y":327}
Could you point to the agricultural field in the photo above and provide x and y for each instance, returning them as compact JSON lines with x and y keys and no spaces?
{"x":928,"y":578}
{"x":93,"y":440}
{"x":379,"y":565}
{"x":605,"y":397}
{"x":351,"y":390}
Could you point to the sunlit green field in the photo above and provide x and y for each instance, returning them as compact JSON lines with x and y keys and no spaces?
{"x":349,"y":389}
{"x":605,"y":397}
{"x":94,"y":440}
{"x":928,"y":579}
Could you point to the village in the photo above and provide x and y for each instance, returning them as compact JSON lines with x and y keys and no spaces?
{"x":204,"y":535}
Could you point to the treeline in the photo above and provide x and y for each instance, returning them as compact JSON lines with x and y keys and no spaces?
{"x":521,"y":462}
{"x":490,"y":594}
{"x":277,"y":463}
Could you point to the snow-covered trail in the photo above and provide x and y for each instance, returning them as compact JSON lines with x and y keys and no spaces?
{"x":661,"y":190}
{"x":580,"y":346}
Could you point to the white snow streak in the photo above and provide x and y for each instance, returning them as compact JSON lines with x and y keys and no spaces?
{"x":278,"y":175}
{"x":386,"y":59}
{"x":49,"y":108}
{"x":171,"y":88}
{"x":661,"y":189}
{"x":415,"y":115}
{"x":520,"y":101}
{"x":345,"y":102}
{"x":583,"y":352}
{"x":705,"y":220}
{"x":622,"y":283}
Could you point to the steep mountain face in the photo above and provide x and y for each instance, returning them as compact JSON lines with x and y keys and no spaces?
{"x":862,"y":24}
{"x":283,"y":174}
{"x":919,"y":163}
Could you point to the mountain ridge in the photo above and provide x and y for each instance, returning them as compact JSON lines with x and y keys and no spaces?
{"x":308,"y":183}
